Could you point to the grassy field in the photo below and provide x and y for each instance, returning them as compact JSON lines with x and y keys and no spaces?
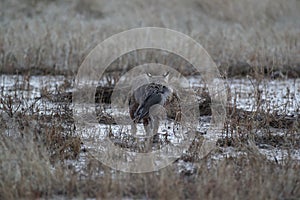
{"x":43,"y":156}
{"x":54,"y":36}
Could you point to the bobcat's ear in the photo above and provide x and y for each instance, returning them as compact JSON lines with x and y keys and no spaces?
{"x":149,"y":74}
{"x":166,"y":74}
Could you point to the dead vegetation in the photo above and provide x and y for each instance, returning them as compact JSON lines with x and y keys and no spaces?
{"x":43,"y":156}
{"x":53,"y":37}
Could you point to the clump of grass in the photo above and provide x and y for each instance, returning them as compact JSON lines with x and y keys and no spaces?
{"x":263,"y":122}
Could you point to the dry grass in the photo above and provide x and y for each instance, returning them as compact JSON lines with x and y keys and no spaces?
{"x":42,"y":157}
{"x":26,"y":172}
{"x":54,"y":37}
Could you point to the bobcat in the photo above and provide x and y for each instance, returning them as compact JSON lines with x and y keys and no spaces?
{"x":149,"y":101}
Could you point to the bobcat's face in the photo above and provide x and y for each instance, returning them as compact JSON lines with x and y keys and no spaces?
{"x":162,"y":79}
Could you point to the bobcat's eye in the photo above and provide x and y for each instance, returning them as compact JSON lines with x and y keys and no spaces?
{"x":149,"y":74}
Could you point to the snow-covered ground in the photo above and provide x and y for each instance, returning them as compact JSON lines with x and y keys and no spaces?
{"x":281,"y":96}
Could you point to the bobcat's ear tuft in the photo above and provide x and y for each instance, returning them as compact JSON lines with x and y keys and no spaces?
{"x":166,"y":74}
{"x":149,"y":74}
